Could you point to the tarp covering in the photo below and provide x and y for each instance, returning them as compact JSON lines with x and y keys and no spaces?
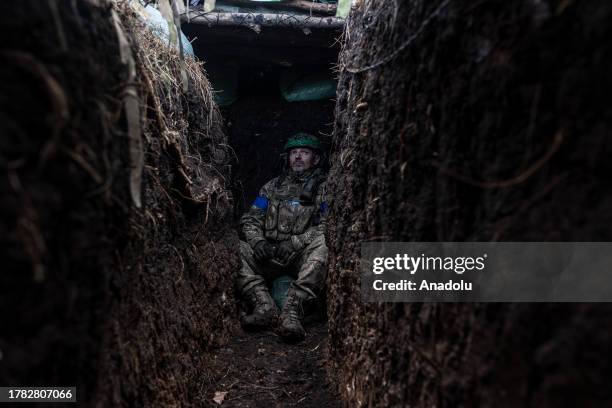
{"x":159,"y":26}
{"x":297,"y":86}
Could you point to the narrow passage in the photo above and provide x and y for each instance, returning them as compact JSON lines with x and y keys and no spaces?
{"x":259,"y":370}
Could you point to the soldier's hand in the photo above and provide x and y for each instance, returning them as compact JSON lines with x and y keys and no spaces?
{"x":262,"y":251}
{"x":284,"y":251}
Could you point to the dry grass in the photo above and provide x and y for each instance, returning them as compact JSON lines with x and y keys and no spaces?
{"x":160,"y":73}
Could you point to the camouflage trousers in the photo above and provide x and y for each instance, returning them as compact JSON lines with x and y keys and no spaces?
{"x":308,"y":267}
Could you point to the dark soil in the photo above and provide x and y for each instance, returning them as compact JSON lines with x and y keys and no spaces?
{"x":120,"y":301}
{"x":259,"y":370}
{"x":470,"y":121}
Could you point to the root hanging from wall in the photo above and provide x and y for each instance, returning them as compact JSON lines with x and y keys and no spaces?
{"x":119,"y":300}
{"x":476,"y":122}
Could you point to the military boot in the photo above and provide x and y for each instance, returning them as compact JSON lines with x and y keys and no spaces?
{"x":290,"y":328}
{"x":264,"y":312}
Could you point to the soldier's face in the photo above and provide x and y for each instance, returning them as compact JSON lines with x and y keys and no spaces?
{"x":302,"y":158}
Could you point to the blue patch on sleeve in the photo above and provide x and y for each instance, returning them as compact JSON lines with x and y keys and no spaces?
{"x":323,"y":207}
{"x":261,"y":203}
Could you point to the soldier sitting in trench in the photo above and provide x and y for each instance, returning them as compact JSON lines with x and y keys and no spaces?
{"x":284,"y":236}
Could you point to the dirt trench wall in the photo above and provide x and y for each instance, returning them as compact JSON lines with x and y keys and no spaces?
{"x":120,"y":301}
{"x":454,"y":122}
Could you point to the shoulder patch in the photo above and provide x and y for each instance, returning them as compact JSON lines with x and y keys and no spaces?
{"x":261,"y":202}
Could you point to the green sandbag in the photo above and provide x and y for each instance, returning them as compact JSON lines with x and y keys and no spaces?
{"x":296,"y":86}
{"x":279,"y":289}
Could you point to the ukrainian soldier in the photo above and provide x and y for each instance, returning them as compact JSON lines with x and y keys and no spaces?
{"x":284,"y":236}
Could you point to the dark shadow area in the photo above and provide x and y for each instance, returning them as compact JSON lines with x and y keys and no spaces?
{"x":275,"y":374}
{"x":253,"y":74}
{"x":257,"y":129}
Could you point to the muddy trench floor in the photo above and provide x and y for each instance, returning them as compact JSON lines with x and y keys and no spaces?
{"x":259,"y":370}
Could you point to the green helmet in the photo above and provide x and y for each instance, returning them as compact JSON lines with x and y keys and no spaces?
{"x":303,"y":140}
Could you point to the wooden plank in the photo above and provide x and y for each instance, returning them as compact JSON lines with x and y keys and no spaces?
{"x":258,"y":20}
{"x":299,"y":5}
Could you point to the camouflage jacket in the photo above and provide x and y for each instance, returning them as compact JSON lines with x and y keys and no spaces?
{"x":283,"y":210}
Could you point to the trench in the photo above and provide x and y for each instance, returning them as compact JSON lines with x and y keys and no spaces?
{"x":127,"y":273}
{"x":247,"y":69}
{"x":451,"y":122}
